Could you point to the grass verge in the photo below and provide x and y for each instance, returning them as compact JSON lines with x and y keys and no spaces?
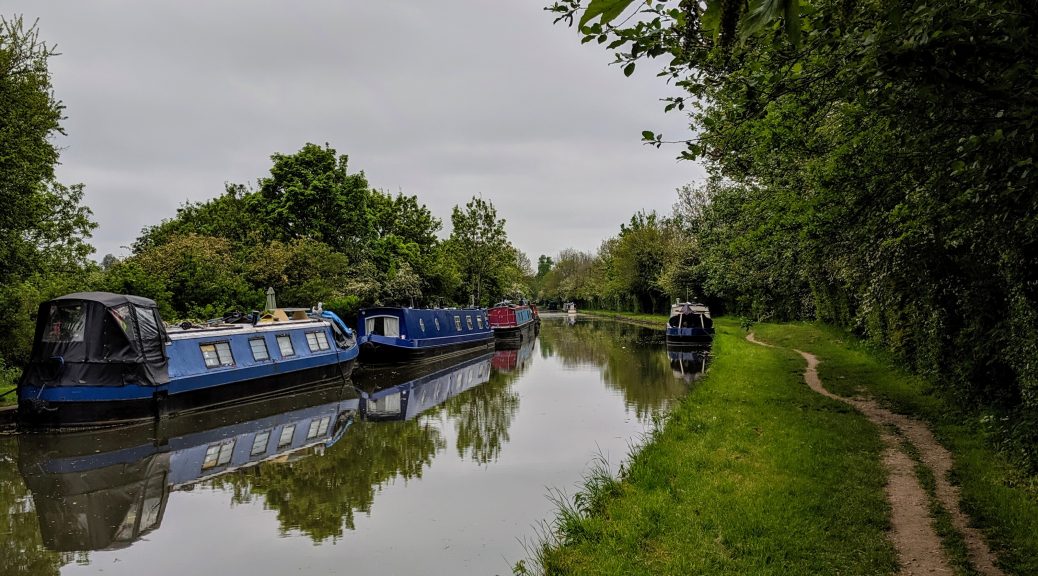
{"x":1000,"y":498}
{"x":8,"y":382}
{"x":751,"y":474}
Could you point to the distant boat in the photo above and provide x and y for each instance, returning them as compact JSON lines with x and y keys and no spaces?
{"x":392,"y":335}
{"x":570,"y":308}
{"x":102,"y":358}
{"x":690,"y":323}
{"x":512,"y":321}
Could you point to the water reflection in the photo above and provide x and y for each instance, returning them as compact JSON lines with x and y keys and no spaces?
{"x":103,"y":490}
{"x":348,"y":463}
{"x":688,"y":363}
{"x":627,"y":355}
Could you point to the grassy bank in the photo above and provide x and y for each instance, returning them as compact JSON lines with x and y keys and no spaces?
{"x":8,"y":381}
{"x":755,"y":474}
{"x":1001,"y":499}
{"x":752,"y":474}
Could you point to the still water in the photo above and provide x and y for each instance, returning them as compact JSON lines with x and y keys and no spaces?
{"x":434,"y":471}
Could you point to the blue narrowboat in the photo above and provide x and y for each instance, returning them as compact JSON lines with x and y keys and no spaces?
{"x":106,"y":489}
{"x":406,"y":400}
{"x":100,"y":357}
{"x":392,"y":335}
{"x":690,"y":324}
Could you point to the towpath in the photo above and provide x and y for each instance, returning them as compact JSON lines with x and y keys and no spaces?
{"x":912,"y":532}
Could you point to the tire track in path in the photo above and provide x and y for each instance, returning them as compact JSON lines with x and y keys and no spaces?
{"x":912,"y":532}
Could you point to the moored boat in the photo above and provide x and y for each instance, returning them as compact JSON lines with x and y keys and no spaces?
{"x":101,"y":358}
{"x":689,"y":323}
{"x":392,"y":335}
{"x":512,"y":321}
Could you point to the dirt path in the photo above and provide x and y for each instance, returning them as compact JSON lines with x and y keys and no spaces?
{"x":915,"y":539}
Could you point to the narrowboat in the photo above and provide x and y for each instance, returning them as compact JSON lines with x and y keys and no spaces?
{"x":102,"y":358}
{"x":404,"y":400}
{"x":512,"y":321}
{"x":106,"y":489}
{"x":689,"y":323}
{"x":393,"y":335}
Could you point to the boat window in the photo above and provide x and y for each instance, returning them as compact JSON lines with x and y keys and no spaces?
{"x":124,"y":319}
{"x":323,"y":427}
{"x":311,"y":432}
{"x":468,"y":321}
{"x":217,"y":354}
{"x":147,"y":323}
{"x":286,"y":435}
{"x":218,"y":455}
{"x":317,"y":341}
{"x":437,"y":322}
{"x":383,"y":326}
{"x":259,"y":443}
{"x":479,"y":322}
{"x":65,"y":323}
{"x":259,"y":349}
{"x":457,"y":323}
{"x":421,"y":324}
{"x":285,"y":345}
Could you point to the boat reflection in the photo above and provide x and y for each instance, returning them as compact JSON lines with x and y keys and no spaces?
{"x":403,"y":395}
{"x":514,"y":360}
{"x":688,"y":363}
{"x":105,"y":489}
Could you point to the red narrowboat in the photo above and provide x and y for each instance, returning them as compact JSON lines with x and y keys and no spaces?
{"x":510,"y":321}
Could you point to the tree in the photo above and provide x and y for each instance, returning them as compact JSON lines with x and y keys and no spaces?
{"x":43,"y":225}
{"x":480,"y":248}
{"x":311,"y":194}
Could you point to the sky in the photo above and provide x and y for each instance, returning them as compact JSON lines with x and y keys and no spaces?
{"x":166,"y":101}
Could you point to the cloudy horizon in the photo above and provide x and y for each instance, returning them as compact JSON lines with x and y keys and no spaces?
{"x":166,"y":103}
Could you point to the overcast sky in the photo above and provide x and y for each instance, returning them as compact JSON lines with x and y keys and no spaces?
{"x":168,"y":100}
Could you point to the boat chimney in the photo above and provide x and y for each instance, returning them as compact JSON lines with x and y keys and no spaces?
{"x":272,"y":302}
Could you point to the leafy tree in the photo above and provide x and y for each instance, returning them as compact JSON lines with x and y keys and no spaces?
{"x":311,"y":194}
{"x":480,"y":248}
{"x":43,"y":226}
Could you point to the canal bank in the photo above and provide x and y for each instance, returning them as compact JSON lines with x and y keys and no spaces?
{"x":755,"y":473}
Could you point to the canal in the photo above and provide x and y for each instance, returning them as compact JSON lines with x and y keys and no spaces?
{"x":442,"y":470}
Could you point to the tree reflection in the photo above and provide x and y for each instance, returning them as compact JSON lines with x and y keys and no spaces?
{"x":631,"y":358}
{"x":483,"y":415}
{"x":318,"y":495}
{"x":21,"y":547}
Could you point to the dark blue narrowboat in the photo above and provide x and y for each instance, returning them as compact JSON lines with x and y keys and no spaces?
{"x":407,"y":399}
{"x":689,"y":324}
{"x":393,"y":335}
{"x":101,"y":358}
{"x":105,"y":489}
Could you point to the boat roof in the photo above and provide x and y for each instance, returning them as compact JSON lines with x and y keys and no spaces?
{"x":109,"y":299}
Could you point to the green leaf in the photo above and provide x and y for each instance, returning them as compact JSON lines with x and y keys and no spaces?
{"x":648,"y":135}
{"x":608,"y":10}
{"x":629,"y":69}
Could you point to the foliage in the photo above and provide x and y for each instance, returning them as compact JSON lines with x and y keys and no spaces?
{"x":873,"y":167}
{"x":489,"y":266}
{"x":43,"y":224}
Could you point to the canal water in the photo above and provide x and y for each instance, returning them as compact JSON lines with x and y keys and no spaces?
{"x":442,"y":470}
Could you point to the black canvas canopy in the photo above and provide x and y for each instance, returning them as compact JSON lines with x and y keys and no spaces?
{"x":98,"y":339}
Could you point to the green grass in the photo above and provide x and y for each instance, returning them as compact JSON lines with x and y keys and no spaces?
{"x":1001,"y":498}
{"x":751,"y":474}
{"x":8,"y":381}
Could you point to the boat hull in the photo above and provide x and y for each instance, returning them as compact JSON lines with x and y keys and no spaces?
{"x":511,"y":337}
{"x":689,"y":336}
{"x":135,"y":403}
{"x":376,"y":352}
